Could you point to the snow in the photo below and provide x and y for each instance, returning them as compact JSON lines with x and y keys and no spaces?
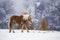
{"x":32,"y":35}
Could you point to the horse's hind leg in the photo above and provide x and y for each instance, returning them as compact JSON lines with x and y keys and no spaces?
{"x":10,"y":31}
{"x":11,"y":27}
{"x":13,"y":30}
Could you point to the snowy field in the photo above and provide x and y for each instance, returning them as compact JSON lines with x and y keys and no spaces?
{"x":32,"y":35}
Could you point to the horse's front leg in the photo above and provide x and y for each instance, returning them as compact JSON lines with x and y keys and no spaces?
{"x":22,"y":27}
{"x":26,"y":28}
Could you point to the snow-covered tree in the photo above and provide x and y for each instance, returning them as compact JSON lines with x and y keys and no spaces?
{"x":51,"y":10}
{"x":5,"y":9}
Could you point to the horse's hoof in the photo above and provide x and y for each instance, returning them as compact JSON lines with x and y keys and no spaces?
{"x":21,"y":31}
{"x":13,"y":32}
{"x":27,"y":31}
{"x":9,"y":31}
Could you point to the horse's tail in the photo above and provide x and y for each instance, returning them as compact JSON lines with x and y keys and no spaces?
{"x":9,"y":24}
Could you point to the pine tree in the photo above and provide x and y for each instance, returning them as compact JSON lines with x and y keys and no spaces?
{"x":5,"y":10}
{"x":43,"y":25}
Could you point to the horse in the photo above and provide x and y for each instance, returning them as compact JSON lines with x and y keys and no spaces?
{"x":21,"y":20}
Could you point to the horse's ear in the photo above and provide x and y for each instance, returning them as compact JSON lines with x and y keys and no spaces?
{"x":25,"y":12}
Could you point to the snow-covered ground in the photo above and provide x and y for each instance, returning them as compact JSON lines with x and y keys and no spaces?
{"x":32,"y":35}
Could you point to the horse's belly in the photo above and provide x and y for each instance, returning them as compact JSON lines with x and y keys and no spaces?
{"x":18,"y":22}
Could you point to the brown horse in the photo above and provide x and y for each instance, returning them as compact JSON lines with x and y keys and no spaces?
{"x":21,"y":20}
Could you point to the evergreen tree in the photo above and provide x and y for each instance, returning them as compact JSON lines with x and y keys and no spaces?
{"x":43,"y":25}
{"x":5,"y":10}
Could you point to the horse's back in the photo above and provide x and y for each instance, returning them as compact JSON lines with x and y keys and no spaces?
{"x":16,"y":17}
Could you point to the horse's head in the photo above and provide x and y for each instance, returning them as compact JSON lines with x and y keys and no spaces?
{"x":30,"y":18}
{"x":25,"y":13}
{"x":27,"y":16}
